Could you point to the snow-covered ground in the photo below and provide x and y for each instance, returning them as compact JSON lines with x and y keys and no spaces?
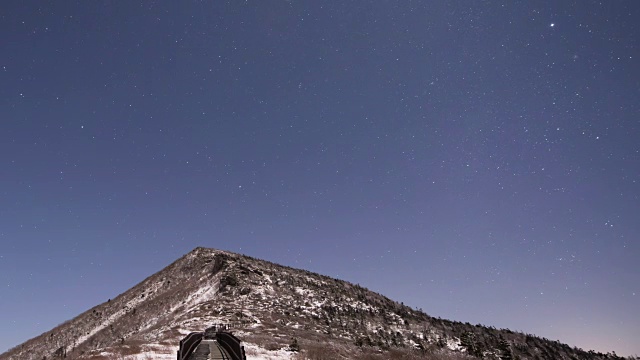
{"x":254,"y":352}
{"x":150,"y":352}
{"x":160,"y":352}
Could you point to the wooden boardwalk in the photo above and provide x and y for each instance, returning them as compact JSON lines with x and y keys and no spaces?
{"x":209,"y":350}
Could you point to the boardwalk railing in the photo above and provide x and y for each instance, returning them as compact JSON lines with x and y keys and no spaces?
{"x":189,"y":344}
{"x":231,"y":345}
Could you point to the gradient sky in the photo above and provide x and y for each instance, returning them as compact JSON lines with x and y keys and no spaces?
{"x":478,"y":160}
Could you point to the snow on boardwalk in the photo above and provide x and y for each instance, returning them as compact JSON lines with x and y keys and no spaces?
{"x":209,"y":350}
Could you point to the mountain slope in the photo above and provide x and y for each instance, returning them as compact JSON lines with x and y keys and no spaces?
{"x":273,"y":309}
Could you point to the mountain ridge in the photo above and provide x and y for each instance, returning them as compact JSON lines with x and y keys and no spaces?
{"x":276,"y":310}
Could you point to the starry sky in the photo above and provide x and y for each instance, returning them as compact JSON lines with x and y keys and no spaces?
{"x":478,"y":160}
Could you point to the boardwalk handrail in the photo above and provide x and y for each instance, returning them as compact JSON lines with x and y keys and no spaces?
{"x":189,"y":344}
{"x":231,"y":344}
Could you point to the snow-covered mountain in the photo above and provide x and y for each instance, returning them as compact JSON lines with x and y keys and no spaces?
{"x":279,"y":313}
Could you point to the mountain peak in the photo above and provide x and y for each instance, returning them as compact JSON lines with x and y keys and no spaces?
{"x":275,"y":310}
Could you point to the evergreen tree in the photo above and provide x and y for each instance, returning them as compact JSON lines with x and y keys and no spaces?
{"x":505,"y":349}
{"x":294,"y":346}
{"x":468,"y":341}
{"x":442,"y":342}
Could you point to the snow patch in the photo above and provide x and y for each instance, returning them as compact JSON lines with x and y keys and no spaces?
{"x":255,"y":352}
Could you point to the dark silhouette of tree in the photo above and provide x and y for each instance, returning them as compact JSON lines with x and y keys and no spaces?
{"x":294,"y":346}
{"x":469,"y":342}
{"x":505,"y":349}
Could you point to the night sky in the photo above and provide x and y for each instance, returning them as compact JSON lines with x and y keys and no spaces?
{"x":477,"y":160}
